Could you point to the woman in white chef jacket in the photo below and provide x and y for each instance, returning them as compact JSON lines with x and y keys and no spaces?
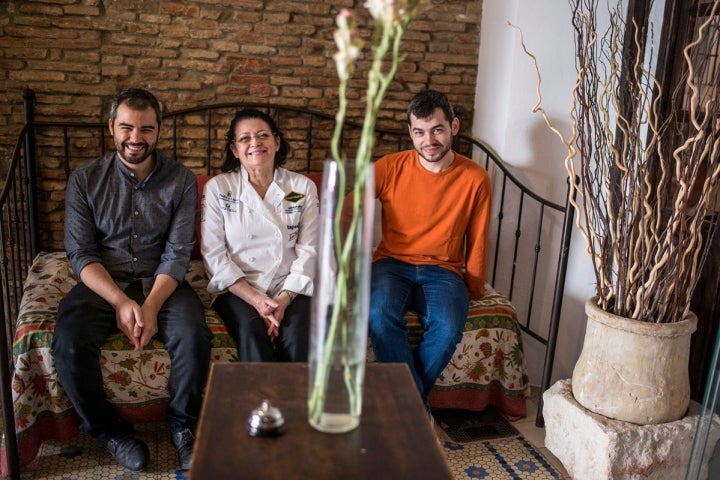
{"x":258,"y":241}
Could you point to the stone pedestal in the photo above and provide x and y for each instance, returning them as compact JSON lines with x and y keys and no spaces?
{"x":591,"y":446}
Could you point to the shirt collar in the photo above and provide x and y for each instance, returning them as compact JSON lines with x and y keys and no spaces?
{"x":159,"y":162}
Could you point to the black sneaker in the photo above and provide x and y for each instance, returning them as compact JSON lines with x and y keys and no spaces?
{"x":182,"y":439}
{"x":129,"y":452}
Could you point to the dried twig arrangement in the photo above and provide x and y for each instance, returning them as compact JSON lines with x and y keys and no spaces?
{"x":647,"y":182}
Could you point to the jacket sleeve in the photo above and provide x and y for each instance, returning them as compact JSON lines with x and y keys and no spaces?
{"x":220,"y":268}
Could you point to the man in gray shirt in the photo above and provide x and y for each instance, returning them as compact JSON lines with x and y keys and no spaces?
{"x":129,"y":232}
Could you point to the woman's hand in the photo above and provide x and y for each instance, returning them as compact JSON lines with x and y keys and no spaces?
{"x":283,"y":300}
{"x":266,"y":308}
{"x":271,"y":310}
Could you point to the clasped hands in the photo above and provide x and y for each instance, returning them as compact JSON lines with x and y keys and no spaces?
{"x":272,"y":311}
{"x":138,"y":323}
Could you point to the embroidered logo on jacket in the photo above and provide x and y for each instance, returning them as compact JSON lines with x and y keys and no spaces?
{"x":294,"y":197}
{"x":228,"y":202}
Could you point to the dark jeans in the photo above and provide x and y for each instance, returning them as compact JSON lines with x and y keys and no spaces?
{"x":84,"y":322}
{"x":248,"y":329}
{"x":440,"y":298}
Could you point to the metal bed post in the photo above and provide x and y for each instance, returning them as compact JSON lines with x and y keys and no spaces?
{"x":557,"y":300}
{"x":31,"y":170}
{"x":9,"y":434}
{"x":8,"y":414}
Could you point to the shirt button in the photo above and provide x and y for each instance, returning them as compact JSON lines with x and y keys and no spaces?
{"x":134,"y":235}
{"x":250,"y":235}
{"x":135,"y":259}
{"x":252,"y":259}
{"x":136,"y":212}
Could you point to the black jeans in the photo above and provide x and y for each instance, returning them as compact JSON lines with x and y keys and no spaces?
{"x":248,"y":329}
{"x":84,"y":322}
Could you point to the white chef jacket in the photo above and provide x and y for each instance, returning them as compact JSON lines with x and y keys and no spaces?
{"x":271,"y":242}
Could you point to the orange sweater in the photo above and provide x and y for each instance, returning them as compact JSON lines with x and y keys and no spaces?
{"x":435,"y":218}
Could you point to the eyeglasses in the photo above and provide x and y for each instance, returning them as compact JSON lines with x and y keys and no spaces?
{"x":261,"y":137}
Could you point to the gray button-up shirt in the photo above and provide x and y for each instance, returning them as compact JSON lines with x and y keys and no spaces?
{"x":136,"y":230}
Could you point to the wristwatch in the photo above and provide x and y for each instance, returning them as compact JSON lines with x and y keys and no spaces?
{"x":290,"y":294}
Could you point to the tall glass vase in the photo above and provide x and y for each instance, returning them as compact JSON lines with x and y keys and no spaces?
{"x":340,"y":303}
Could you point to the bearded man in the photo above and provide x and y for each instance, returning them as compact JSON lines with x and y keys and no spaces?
{"x":129,"y":232}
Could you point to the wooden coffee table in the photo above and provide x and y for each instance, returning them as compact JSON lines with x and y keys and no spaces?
{"x":394,"y":440}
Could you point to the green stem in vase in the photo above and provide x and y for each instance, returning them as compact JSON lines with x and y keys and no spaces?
{"x":392,"y":18}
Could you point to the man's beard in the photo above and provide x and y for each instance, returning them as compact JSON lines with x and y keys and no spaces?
{"x":136,"y":157}
{"x":438,"y":156}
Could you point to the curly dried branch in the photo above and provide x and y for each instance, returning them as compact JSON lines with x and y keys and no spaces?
{"x":642,"y":216}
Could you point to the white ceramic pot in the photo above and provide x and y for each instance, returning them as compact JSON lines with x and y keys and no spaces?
{"x":634,"y":371}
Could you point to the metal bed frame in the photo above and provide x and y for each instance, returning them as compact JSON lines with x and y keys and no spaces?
{"x":46,"y":152}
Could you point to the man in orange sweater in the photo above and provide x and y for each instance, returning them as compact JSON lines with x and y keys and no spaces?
{"x":432,"y":257}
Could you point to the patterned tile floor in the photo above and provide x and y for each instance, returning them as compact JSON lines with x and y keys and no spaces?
{"x":81,"y":458}
{"x":522,"y":457}
{"x":511,"y":457}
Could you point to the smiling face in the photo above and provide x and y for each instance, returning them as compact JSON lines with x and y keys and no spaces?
{"x":255,"y":145}
{"x":432,"y":138}
{"x":135,"y":133}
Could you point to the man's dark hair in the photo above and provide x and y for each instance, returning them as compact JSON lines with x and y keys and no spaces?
{"x":424,"y":103}
{"x":137,"y":99}
{"x":232,"y":162}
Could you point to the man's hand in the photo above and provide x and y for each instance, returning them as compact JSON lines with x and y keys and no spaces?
{"x":139,"y":324}
{"x":163,"y":286}
{"x":129,"y":319}
{"x":150,"y":324}
{"x":128,"y":314}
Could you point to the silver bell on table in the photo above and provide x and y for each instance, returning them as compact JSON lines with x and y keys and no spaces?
{"x":266,"y":421}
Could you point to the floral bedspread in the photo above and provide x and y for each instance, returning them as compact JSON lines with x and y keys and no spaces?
{"x":135,"y":382}
{"x":488,"y":367}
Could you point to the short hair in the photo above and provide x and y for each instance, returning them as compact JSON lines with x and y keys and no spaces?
{"x":424,"y":103}
{"x":231,"y":162}
{"x":136,"y":99}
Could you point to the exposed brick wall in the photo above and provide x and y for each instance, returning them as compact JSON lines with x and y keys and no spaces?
{"x":76,"y":54}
